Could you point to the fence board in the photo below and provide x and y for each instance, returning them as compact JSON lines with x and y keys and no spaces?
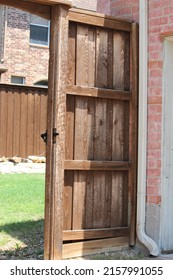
{"x":23,"y":114}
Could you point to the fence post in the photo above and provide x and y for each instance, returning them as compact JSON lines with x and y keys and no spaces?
{"x":56,"y":119}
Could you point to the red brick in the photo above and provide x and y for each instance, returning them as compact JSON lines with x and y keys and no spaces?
{"x":153,"y":199}
{"x":152,"y":64}
{"x":155,"y":99}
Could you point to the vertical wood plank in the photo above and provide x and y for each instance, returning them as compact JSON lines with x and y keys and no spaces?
{"x":126,"y":61}
{"x":67,"y":201}
{"x":91,"y":128}
{"x":3,"y":118}
{"x":79,"y":193}
{"x":108,"y":194}
{"x":30,"y":124}
{"x":23,"y":123}
{"x":81,"y":133}
{"x":116,"y":203}
{"x":89,"y":199}
{"x":16,"y":123}
{"x":100,"y":136}
{"x":125,"y":202}
{"x":85,"y":56}
{"x":99,"y":199}
{"x":71,"y":73}
{"x":134,"y":117}
{"x":10,"y":126}
{"x":56,"y":118}
{"x":43,"y":120}
{"x":69,"y":139}
{"x":118,"y":61}
{"x":37,"y":113}
{"x":118,"y":130}
{"x":101,"y":58}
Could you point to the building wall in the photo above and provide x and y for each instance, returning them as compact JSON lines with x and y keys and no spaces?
{"x":89,"y":4}
{"x":103,"y":6}
{"x":2,"y":34}
{"x":20,"y":57}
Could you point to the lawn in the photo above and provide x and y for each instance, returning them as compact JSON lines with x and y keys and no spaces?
{"x":21,"y":216}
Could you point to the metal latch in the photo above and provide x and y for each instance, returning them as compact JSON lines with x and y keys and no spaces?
{"x":44,"y":136}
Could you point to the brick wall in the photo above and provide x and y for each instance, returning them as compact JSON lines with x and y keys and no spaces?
{"x":160,"y":21}
{"x":21,"y":58}
{"x":2,"y":29}
{"x":103,"y":6}
{"x":125,"y":9}
{"x":89,"y":4}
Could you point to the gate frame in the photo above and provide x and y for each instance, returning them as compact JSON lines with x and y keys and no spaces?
{"x":57,"y":12}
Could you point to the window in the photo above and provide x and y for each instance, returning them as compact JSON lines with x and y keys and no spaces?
{"x":39,"y":31}
{"x":18,"y":80}
{"x":42,"y":83}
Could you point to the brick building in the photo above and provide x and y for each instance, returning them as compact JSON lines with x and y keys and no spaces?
{"x":24,"y":45}
{"x":155,"y":112}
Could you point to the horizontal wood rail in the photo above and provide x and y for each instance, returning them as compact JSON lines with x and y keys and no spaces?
{"x":94,"y":233}
{"x":93,"y":246}
{"x":97,"y":19}
{"x":99,"y":92}
{"x":96,"y":165}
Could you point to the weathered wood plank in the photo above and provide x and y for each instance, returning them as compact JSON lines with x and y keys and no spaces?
{"x":134,"y":128}
{"x":118,"y":131}
{"x":81,"y":132}
{"x":118,"y":61}
{"x":101,"y":58}
{"x":71,"y":74}
{"x":30,"y":124}
{"x":98,"y":92}
{"x":99,"y":199}
{"x":56,"y":119}
{"x":85,"y":56}
{"x":96,"y":165}
{"x":3,"y":117}
{"x":95,"y":233}
{"x":99,"y":20}
{"x":89,"y":199}
{"x":116,"y":202}
{"x":90,"y":128}
{"x":69,"y":139}
{"x":100,"y":149}
{"x":10,"y":126}
{"x":68,"y":200}
{"x":79,"y":192}
{"x":37,"y":114}
{"x":92,"y":247}
{"x":16,"y":123}
{"x":43,"y":120}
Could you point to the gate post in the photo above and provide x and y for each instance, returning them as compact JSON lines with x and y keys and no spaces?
{"x":56,"y":123}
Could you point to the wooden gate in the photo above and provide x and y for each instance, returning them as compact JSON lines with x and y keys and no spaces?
{"x":97,"y":209}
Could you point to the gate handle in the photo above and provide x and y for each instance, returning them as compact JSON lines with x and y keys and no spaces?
{"x":44,"y":136}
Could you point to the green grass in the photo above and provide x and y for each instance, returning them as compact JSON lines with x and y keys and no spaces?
{"x":21,"y":198}
{"x":21,"y":210}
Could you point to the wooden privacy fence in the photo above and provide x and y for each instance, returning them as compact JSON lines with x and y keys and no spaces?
{"x":91,"y":172}
{"x":23,"y":115}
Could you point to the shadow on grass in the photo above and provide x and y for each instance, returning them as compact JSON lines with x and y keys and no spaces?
{"x":25,"y":241}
